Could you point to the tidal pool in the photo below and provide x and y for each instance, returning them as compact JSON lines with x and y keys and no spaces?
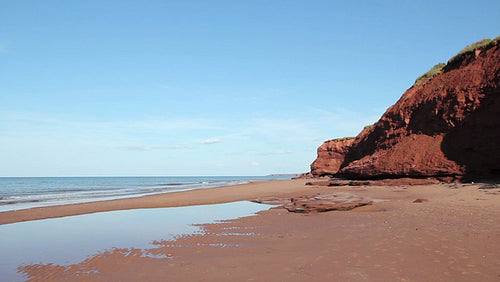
{"x":72,"y":239}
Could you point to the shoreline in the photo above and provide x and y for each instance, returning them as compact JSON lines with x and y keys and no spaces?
{"x":204,"y":196}
{"x":452,"y":233}
{"x":32,"y":192}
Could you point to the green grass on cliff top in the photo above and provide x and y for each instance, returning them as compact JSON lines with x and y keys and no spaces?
{"x":473,"y":46}
{"x":430,"y":73}
{"x":469,"y":48}
{"x":438,"y":68}
{"x":342,"y":138}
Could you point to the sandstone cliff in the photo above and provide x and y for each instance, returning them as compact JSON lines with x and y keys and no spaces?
{"x":446,"y":125}
{"x":331,"y":156}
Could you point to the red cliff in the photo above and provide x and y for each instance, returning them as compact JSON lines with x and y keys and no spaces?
{"x":446,"y":125}
{"x":331,"y":156}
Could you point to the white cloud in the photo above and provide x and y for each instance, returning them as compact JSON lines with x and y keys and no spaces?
{"x":279,"y":152}
{"x":157,"y":137}
{"x":150,"y":123}
{"x":210,"y":141}
{"x":154,"y":147}
{"x":135,"y":148}
{"x":16,"y":123}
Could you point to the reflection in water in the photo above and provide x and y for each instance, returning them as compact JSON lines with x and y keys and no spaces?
{"x":70,"y":240}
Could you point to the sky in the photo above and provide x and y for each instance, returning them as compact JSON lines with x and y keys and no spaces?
{"x":170,"y":88}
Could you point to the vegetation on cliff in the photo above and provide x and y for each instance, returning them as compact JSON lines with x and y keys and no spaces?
{"x":473,"y":46}
{"x":430,"y":74}
{"x":341,"y":138}
{"x":438,"y":68}
{"x":487,"y":43}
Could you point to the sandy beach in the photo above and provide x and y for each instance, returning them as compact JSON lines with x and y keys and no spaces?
{"x":175,"y":199}
{"x":451,"y":234}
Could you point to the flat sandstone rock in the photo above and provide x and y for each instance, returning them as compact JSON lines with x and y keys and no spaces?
{"x":319,"y":203}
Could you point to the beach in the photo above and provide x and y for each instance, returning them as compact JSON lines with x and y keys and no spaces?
{"x":447,"y":232}
{"x":249,"y":141}
{"x":173,"y":199}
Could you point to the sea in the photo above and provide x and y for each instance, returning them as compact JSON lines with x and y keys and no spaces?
{"x":29,"y":192}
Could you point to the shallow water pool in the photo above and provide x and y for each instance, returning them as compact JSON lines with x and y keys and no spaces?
{"x":70,"y":240}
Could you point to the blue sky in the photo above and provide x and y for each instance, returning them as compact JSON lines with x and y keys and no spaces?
{"x":91,"y":88}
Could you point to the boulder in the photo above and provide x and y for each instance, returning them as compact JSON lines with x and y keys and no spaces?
{"x":327,"y":202}
{"x":341,"y":201}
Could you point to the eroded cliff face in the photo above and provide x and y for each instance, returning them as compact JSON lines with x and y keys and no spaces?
{"x":331,"y":155}
{"x":446,"y":126}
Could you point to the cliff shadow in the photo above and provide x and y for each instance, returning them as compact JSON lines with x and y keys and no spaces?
{"x":475,"y":143}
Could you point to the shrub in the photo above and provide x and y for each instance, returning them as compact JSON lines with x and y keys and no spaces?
{"x":368,"y":126}
{"x":342,"y":138}
{"x":473,"y":46}
{"x":430,"y":74}
{"x":483,"y":42}
{"x":455,"y":60}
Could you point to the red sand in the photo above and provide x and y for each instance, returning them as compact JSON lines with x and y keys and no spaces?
{"x":453,"y":236}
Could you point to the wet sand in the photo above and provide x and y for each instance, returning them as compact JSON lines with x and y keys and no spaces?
{"x":452,"y":234}
{"x":175,"y":199}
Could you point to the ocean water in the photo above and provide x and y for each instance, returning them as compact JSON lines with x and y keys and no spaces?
{"x":28,"y":192}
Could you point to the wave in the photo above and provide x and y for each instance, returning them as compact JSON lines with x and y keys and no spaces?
{"x":21,"y":193}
